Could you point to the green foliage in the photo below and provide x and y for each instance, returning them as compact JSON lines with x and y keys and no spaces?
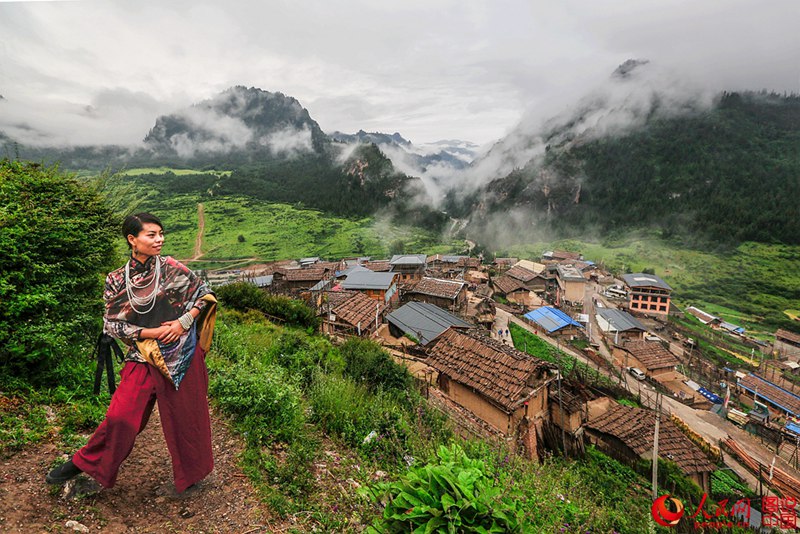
{"x":368,"y":363}
{"x":56,"y":242}
{"x":262,"y":399}
{"x":452,"y":495}
{"x":243,"y":296}
{"x":723,"y":175}
{"x":301,"y":354}
{"x":570,"y":367}
{"x":726,"y":485}
{"x":28,"y":412}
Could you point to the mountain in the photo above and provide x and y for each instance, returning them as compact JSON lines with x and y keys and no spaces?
{"x":240,"y":124}
{"x":373,"y":137}
{"x":722,"y":171}
{"x":427,"y":160}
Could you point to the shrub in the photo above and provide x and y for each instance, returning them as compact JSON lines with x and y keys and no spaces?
{"x":56,"y":243}
{"x":365,"y":361}
{"x":243,"y":296}
{"x":453,"y":495}
{"x":262,"y":399}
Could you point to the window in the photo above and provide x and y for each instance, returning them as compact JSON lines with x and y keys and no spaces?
{"x":653,"y":307}
{"x":634,"y":304}
{"x":662,"y":308}
{"x":663,"y":299}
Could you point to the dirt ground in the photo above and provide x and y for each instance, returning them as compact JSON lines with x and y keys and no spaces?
{"x":144,"y":498}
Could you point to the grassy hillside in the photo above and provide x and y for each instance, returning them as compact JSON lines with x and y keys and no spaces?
{"x":243,"y":228}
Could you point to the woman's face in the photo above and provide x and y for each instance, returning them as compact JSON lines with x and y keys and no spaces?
{"x":149,"y":240}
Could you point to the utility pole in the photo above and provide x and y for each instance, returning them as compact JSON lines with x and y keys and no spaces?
{"x":561,"y":410}
{"x":655,"y":446}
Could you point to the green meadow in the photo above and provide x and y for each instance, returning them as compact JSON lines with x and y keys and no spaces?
{"x":242,"y":230}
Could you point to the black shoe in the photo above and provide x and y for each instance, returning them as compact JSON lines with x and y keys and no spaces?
{"x":62,"y":473}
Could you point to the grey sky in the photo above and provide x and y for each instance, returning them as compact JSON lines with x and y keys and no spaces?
{"x":87,"y":71}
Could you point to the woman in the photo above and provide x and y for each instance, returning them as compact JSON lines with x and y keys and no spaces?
{"x":165,"y":315}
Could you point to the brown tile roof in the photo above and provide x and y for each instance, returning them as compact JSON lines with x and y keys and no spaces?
{"x":506,"y":284}
{"x":768,"y":390}
{"x":505,"y":261}
{"x":497,"y":371}
{"x":435,"y":287}
{"x":636,"y":427}
{"x":564,"y":255}
{"x":521,"y":273}
{"x":789,"y":336}
{"x":469,"y":263}
{"x":302,"y":275}
{"x":652,"y":354}
{"x":380,"y":266}
{"x":355,"y":307}
{"x":700,"y":314}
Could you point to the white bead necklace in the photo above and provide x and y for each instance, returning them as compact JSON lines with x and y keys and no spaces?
{"x":148,"y":301}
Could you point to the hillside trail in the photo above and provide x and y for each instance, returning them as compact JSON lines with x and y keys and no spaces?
{"x":201,"y":226}
{"x":144,"y":498}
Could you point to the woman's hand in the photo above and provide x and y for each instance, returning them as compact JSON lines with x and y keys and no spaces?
{"x":172,"y":330}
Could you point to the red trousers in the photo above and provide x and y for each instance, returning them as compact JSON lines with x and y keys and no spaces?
{"x":184,"y":419}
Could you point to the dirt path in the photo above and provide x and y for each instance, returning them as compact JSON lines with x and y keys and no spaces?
{"x":201,"y":226}
{"x":144,"y":498}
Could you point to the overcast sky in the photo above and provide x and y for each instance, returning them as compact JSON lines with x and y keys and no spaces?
{"x":92,"y":72}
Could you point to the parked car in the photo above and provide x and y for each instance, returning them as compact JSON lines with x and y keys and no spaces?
{"x":636,"y":373}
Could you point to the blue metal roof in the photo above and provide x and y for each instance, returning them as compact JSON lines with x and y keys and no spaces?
{"x":551,"y":319}
{"x":713,"y":397}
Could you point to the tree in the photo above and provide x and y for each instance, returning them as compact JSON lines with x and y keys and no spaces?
{"x":56,"y":243}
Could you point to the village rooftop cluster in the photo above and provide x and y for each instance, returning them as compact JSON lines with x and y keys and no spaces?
{"x":449,"y":318}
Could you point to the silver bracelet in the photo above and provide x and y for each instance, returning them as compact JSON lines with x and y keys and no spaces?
{"x":186,"y":320}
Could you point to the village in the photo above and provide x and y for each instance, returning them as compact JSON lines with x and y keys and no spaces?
{"x":622,"y":360}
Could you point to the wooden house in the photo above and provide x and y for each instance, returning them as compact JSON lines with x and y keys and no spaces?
{"x":626,"y":433}
{"x":350,"y":313}
{"x":293,"y":281}
{"x":787,"y":345}
{"x":513,"y":290}
{"x":504,"y":387}
{"x":410,"y":267}
{"x":532,"y":280}
{"x":619,"y":326}
{"x":448,"y":294}
{"x":377,"y":286}
{"x":649,"y":356}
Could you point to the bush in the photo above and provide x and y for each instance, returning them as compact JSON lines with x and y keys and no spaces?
{"x":263,"y":401}
{"x":243,"y":296}
{"x":56,"y":244}
{"x":453,"y":495}
{"x":366,"y":362}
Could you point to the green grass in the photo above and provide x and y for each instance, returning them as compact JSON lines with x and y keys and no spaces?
{"x":241,"y":228}
{"x":569,"y":366}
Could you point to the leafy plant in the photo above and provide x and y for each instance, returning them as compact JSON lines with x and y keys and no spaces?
{"x":452,"y":495}
{"x":243,"y":296}
{"x":365,"y":361}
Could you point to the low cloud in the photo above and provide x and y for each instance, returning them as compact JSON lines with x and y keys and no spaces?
{"x":289,"y":142}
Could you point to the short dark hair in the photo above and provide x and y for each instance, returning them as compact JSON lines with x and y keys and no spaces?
{"x":133,"y":224}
